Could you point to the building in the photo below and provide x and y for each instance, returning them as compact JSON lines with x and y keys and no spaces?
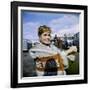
{"x":76,"y":39}
{"x":27,"y":44}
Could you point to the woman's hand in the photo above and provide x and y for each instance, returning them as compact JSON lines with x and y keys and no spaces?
{"x":72,"y":49}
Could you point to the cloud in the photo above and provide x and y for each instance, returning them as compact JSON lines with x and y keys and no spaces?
{"x":64,"y":22}
{"x":30,"y":30}
{"x":68,"y":31}
{"x":68,"y":23}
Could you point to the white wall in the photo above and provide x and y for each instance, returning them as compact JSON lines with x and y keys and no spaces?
{"x":5,"y":45}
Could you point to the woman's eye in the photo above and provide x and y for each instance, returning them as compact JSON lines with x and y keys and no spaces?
{"x":49,"y":35}
{"x":45,"y":34}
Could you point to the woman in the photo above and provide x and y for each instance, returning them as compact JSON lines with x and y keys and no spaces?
{"x":49,"y":59}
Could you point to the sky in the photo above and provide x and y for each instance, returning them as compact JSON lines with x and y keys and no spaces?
{"x":60,"y":23}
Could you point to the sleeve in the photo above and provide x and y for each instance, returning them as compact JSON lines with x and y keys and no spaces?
{"x":71,"y":57}
{"x":32,"y":54}
{"x":65,"y":59}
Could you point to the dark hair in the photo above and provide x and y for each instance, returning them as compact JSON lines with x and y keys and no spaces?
{"x":50,"y":68}
{"x":43,"y":29}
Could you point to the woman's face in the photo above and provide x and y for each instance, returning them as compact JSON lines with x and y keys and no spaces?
{"x":45,"y":38}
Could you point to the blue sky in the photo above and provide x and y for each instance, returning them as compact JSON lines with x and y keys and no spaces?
{"x":60,"y":23}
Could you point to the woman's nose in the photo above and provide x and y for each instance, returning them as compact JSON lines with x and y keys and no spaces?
{"x":48,"y":37}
